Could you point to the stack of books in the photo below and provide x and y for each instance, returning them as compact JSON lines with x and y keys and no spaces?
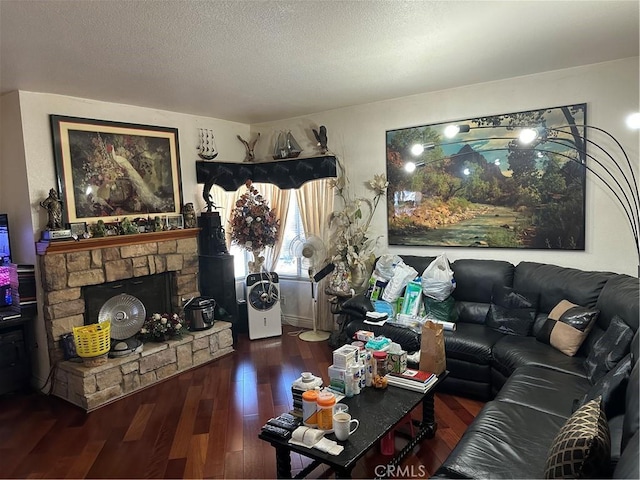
{"x":410,"y":379}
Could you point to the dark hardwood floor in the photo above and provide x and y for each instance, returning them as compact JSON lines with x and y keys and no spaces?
{"x":203,"y":423}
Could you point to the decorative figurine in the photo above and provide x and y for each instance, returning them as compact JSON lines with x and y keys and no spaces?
{"x":128,"y":227}
{"x":189,"y":214}
{"x":99,"y":229}
{"x":157,"y":224}
{"x":206,"y":194}
{"x":249,"y":146}
{"x":54,"y":209}
{"x":321,"y":137}
{"x":207,"y":148}
{"x":286,"y":146}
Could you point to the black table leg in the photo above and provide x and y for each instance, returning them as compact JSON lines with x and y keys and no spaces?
{"x":428,"y":416}
{"x":283,"y":462}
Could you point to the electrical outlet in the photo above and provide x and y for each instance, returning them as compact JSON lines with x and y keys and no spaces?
{"x":282,"y":300}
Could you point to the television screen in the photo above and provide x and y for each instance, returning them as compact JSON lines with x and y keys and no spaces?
{"x":5,"y":247}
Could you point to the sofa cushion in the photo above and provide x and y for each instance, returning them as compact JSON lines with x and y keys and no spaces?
{"x":511,"y":312}
{"x":554,"y":283}
{"x":609,"y":349}
{"x":629,"y":464}
{"x":357,"y":306}
{"x":505,"y":440}
{"x":471,"y":312}
{"x":470,"y":342}
{"x":582,"y":447}
{"x":543,"y":389}
{"x":567,"y":327}
{"x":612,"y":388}
{"x":475,"y":278}
{"x":632,"y":403}
{"x":511,"y":352}
{"x":620,"y":296}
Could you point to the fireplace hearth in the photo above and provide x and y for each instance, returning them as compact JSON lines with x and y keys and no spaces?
{"x":71,"y":270}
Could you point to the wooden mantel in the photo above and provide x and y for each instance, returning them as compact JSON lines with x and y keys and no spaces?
{"x":65,"y":246}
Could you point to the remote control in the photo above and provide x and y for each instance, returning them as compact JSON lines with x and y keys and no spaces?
{"x":276,"y":431}
{"x":284,"y":422}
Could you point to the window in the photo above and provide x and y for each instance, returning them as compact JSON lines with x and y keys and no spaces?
{"x":287,"y":265}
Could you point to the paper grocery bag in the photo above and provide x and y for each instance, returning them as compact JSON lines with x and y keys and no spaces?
{"x":432,"y":356}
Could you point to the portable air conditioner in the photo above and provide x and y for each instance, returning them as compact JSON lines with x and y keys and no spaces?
{"x":263,"y":305}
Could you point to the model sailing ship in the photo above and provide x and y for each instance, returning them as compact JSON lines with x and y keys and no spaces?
{"x":286,"y":147}
{"x":207,"y":148}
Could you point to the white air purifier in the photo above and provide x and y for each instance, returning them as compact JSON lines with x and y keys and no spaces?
{"x":263,"y":305}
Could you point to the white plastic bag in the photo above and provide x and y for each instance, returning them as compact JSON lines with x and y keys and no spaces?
{"x":402,"y":275}
{"x":437,"y":279}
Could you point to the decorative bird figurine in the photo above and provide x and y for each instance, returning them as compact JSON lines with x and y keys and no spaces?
{"x":249,"y":146}
{"x":206,"y":193}
{"x":321,"y":137}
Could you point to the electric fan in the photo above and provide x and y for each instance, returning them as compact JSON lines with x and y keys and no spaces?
{"x":126,"y":314}
{"x":313,"y":255}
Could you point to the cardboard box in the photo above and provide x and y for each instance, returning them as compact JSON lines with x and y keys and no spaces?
{"x":364,"y":335}
{"x":337,"y":378}
{"x":345,"y":356}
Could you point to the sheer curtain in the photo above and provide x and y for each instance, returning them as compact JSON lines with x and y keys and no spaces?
{"x":315,"y":200}
{"x":279,"y":204}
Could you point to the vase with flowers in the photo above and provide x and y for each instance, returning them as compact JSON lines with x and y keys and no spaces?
{"x":353,"y":248}
{"x":254,"y":225}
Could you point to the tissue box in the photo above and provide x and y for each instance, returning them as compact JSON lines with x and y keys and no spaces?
{"x":397,"y":362}
{"x":345,"y":356}
{"x":337,"y":378}
{"x":364,"y":335}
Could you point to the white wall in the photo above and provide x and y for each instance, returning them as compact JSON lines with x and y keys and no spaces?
{"x":357,"y":135}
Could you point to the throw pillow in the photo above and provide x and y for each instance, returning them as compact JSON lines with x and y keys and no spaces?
{"x":609,"y":349}
{"x":612,"y":387}
{"x":582,"y":447}
{"x":511,"y":312}
{"x":567,"y":326}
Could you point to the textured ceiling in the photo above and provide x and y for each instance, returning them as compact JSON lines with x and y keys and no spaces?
{"x":256,"y":61}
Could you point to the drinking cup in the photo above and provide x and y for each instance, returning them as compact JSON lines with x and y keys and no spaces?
{"x":342,"y":422}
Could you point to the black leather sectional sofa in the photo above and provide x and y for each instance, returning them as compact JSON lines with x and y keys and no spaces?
{"x":531,"y":388}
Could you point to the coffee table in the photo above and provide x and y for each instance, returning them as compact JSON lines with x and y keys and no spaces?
{"x":379,"y":411}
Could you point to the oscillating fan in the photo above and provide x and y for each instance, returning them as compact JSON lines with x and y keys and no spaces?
{"x":313,"y":255}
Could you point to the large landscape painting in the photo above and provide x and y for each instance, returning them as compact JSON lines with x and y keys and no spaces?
{"x":485,"y":186}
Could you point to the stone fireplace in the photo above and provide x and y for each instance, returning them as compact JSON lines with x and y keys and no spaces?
{"x":68,"y":267}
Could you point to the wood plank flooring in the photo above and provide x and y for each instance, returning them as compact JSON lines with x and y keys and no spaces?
{"x":200,"y":424}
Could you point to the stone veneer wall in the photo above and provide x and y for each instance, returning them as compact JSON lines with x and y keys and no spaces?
{"x":68,"y":266}
{"x":93,"y":387}
{"x":65,"y":269}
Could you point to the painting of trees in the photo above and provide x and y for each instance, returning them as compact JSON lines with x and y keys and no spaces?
{"x":486,"y":187}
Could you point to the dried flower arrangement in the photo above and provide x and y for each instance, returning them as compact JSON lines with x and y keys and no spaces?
{"x":159,"y":327}
{"x":253,"y":224}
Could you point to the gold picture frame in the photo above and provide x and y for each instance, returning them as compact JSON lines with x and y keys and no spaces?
{"x":111,"y":170}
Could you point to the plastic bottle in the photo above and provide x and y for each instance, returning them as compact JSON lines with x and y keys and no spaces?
{"x":354,"y":375}
{"x":349,"y":383}
{"x":363,"y":371}
{"x":368,"y":368}
{"x":310,"y":408}
{"x":326,"y":401}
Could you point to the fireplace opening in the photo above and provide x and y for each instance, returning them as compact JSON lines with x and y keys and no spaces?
{"x":154,"y":291}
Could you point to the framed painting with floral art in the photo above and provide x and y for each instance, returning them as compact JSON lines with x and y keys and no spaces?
{"x":110,"y":170}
